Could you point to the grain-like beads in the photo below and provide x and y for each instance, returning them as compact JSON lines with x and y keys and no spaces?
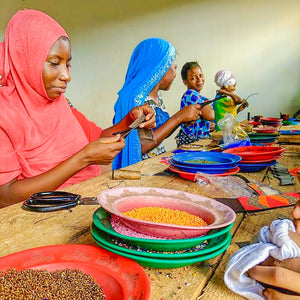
{"x":165,"y":216}
{"x":40,"y":285}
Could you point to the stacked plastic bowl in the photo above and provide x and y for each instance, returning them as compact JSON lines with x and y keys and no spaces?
{"x":271,"y":122}
{"x":161,"y":245}
{"x":187,"y":164}
{"x":263,"y":139}
{"x":256,"y":158}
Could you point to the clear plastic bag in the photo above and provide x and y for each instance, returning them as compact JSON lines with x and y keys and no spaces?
{"x":223,"y":187}
{"x":233,"y":134}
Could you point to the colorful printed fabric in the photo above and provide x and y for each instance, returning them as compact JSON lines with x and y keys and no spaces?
{"x":263,"y":202}
{"x":221,"y":107}
{"x":198,"y":130}
{"x":162,"y":117}
{"x":149,"y":62}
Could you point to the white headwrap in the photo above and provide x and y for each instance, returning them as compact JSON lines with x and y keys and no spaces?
{"x":224,"y":78}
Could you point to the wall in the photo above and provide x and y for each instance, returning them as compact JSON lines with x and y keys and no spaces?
{"x":257,"y":40}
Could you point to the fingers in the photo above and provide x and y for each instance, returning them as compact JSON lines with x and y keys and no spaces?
{"x":196,"y":109}
{"x":147,"y":110}
{"x":276,"y":276}
{"x":150,"y":118}
{"x":271,"y":294}
{"x":110,"y":139}
{"x":296,"y":216}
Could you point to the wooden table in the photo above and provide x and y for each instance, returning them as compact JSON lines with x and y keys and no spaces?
{"x":20,"y":229}
{"x":289,"y":138}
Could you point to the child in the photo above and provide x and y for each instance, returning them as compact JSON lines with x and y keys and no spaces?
{"x":193,"y":78}
{"x":227,"y":82}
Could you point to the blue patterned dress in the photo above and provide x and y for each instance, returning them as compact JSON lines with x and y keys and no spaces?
{"x":200,"y":129}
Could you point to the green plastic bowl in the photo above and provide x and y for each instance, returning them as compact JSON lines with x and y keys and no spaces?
{"x":106,"y":239}
{"x":102,"y":218}
{"x":162,"y":263}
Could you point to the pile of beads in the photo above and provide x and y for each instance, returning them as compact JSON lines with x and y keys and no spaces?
{"x":165,"y":216}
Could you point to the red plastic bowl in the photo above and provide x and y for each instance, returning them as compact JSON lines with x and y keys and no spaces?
{"x":268,"y":129}
{"x":120,"y":277}
{"x":254,"y":123}
{"x":257,"y":153}
{"x":192,"y":176}
{"x":270,"y":119}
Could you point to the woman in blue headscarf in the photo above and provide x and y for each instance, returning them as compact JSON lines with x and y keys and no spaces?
{"x":152,"y":68}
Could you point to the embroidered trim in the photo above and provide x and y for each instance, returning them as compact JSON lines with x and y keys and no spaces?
{"x":165,"y":65}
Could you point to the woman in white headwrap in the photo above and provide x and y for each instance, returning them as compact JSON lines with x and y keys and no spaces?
{"x":229,"y":102}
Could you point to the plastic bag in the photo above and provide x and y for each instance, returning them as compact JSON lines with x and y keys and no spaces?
{"x":233,"y":134}
{"x":220,"y":187}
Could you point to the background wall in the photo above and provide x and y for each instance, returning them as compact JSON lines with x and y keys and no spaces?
{"x":258,"y":40}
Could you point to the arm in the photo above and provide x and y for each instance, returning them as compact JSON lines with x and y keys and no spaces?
{"x":236,"y":99}
{"x":101,"y":151}
{"x":187,"y":114}
{"x":208,"y":113}
{"x":130,"y":117}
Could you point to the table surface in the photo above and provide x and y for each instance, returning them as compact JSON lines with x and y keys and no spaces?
{"x":20,"y":229}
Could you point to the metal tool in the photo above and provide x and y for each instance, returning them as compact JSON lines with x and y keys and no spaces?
{"x":132,"y":126}
{"x":243,"y":244}
{"x":210,"y":101}
{"x":56,"y":200}
{"x":251,"y":95}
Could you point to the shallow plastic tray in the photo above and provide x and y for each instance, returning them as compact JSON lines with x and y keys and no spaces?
{"x":192,"y":176}
{"x":257,"y":152}
{"x":105,"y":267}
{"x":204,"y":169}
{"x":106,"y":239}
{"x":248,"y":168}
{"x":163,"y":263}
{"x":216,"y":159}
{"x":102,"y":219}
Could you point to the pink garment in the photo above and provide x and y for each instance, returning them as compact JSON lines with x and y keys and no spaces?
{"x":36,"y":132}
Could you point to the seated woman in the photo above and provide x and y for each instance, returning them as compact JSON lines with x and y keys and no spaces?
{"x":152,"y":68}
{"x":45,"y":144}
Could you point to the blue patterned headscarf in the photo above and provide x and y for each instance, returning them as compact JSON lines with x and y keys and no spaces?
{"x":149,"y":62}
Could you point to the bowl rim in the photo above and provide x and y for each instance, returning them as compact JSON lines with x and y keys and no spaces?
{"x":109,"y":206}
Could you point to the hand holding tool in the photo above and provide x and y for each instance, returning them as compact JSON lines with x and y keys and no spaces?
{"x":132,"y":126}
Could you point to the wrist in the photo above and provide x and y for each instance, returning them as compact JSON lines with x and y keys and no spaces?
{"x":178,"y":118}
{"x":81,"y":159}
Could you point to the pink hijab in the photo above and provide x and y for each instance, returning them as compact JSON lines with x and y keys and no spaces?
{"x":36,"y":132}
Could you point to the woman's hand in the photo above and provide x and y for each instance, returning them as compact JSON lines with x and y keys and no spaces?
{"x":282,"y":274}
{"x":135,"y":113}
{"x":243,"y":106}
{"x":145,"y":109}
{"x":296,"y":216}
{"x":190,"y":113}
{"x":103,"y":150}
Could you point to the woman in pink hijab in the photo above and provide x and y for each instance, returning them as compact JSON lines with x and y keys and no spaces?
{"x":44,"y":143}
